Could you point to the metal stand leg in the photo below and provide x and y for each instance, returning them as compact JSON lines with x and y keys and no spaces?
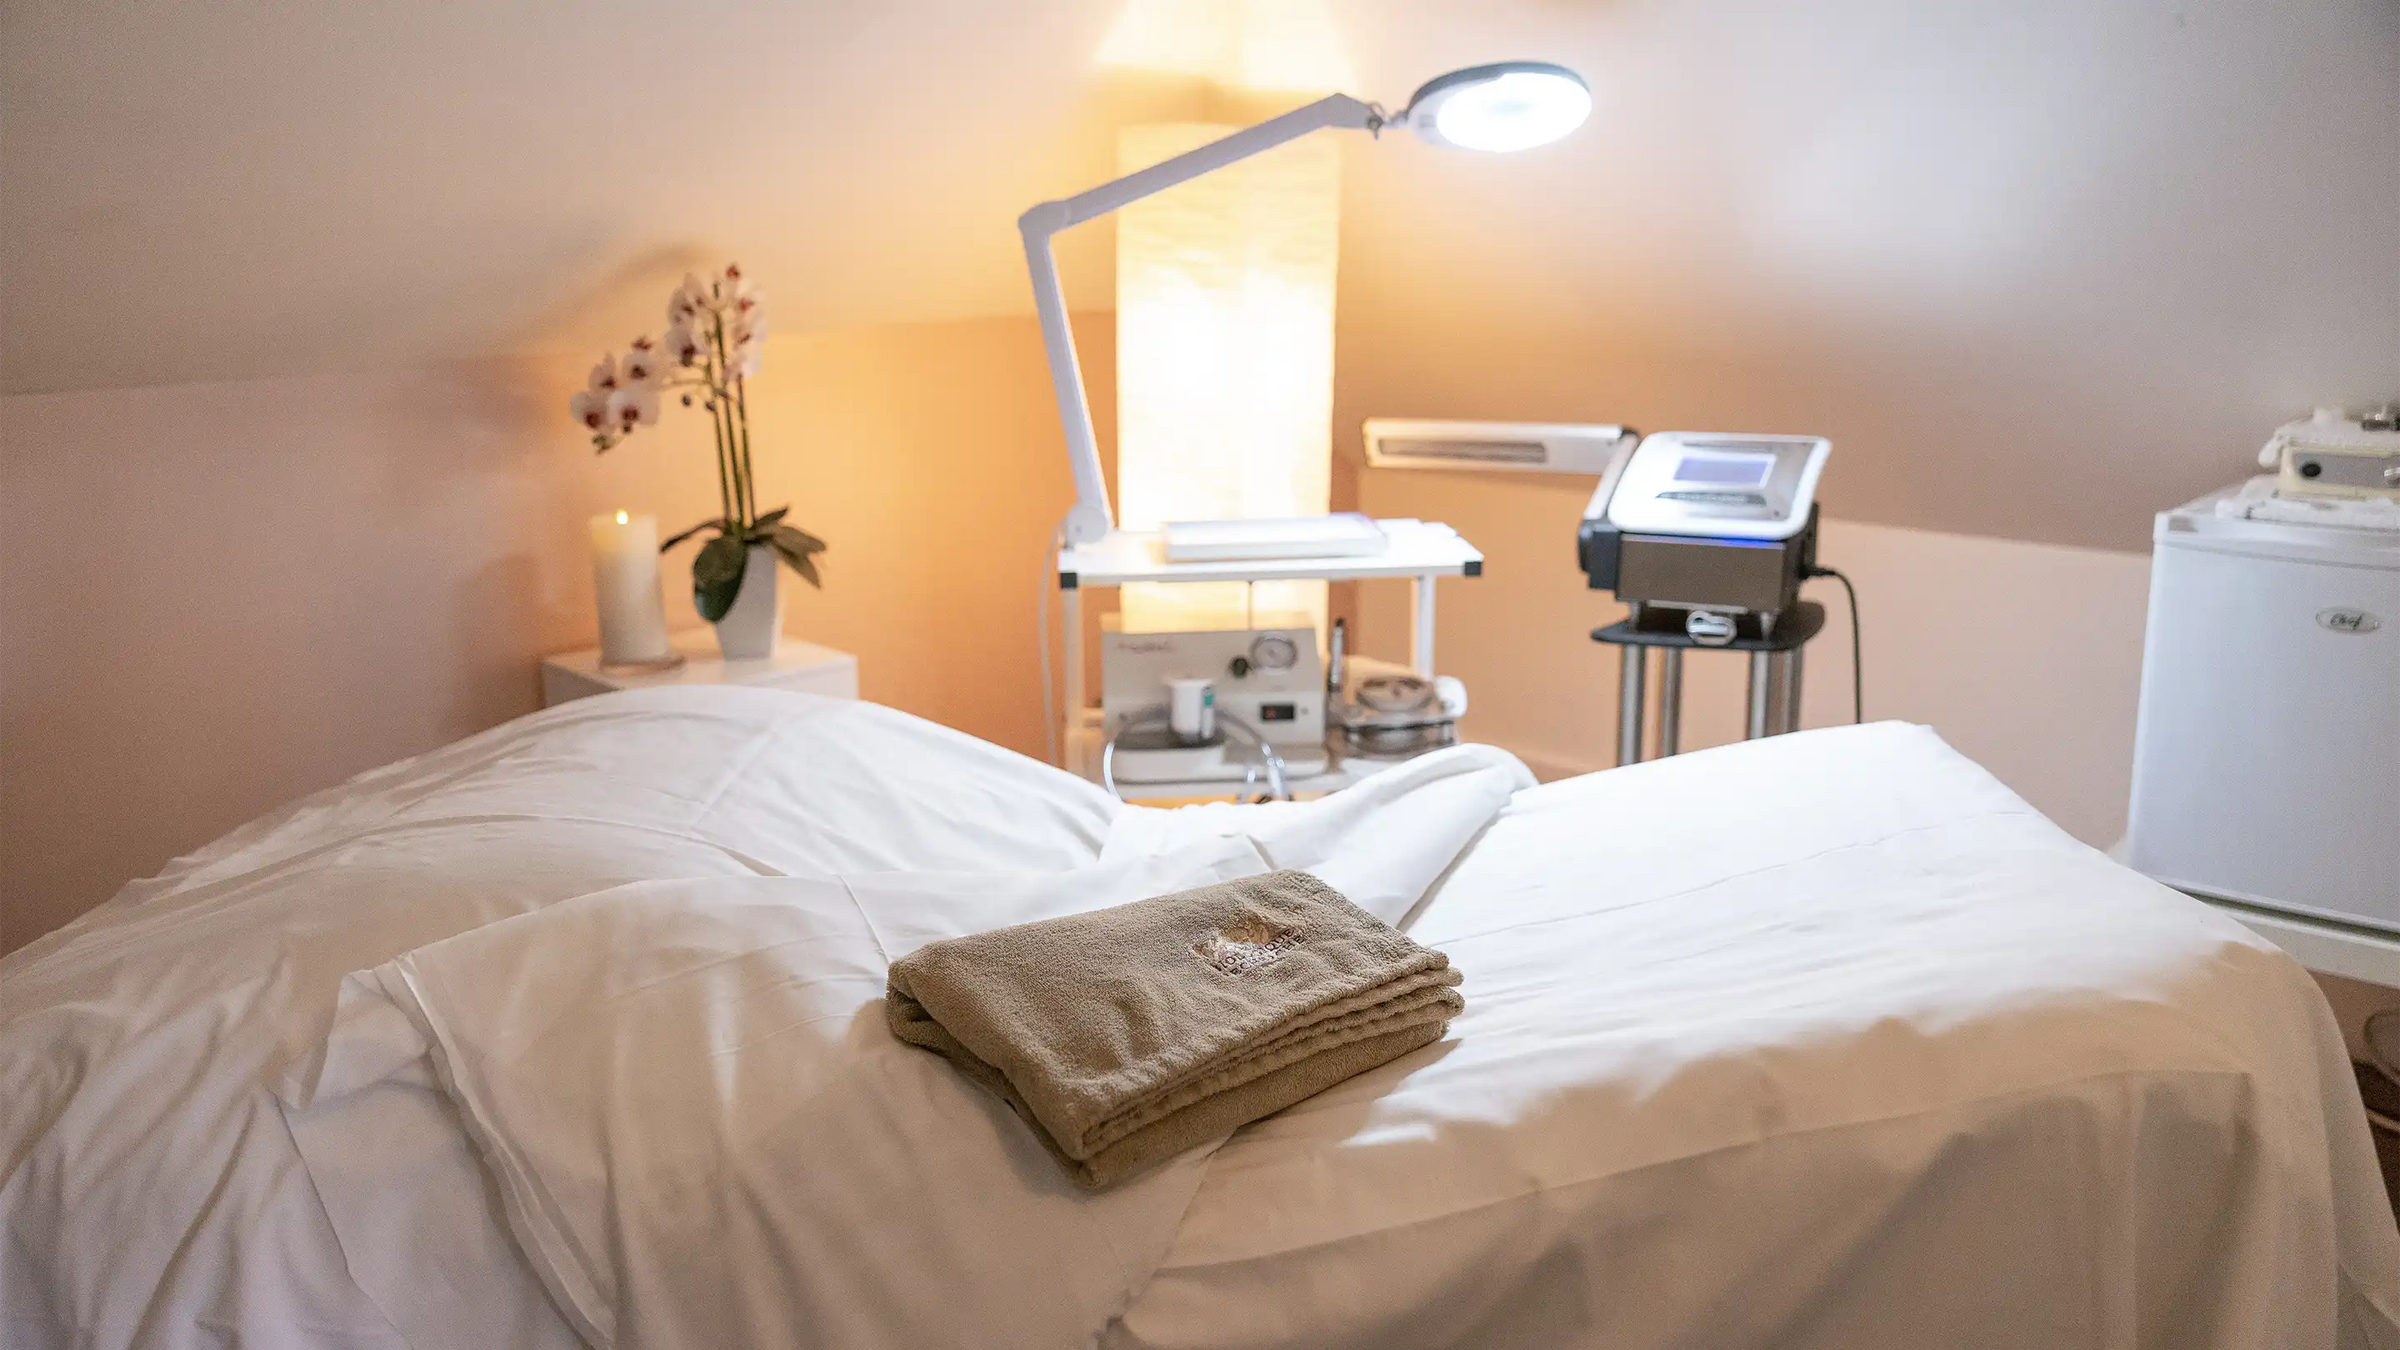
{"x":1761,"y":684}
{"x":1071,"y":715}
{"x":1629,"y":707}
{"x":1420,"y":631}
{"x":1789,"y":693}
{"x":1670,"y":700}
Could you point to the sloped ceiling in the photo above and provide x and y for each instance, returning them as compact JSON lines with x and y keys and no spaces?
{"x":2139,"y":203}
{"x":241,"y":188}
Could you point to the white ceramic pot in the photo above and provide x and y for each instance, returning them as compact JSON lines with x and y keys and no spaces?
{"x":749,"y":630}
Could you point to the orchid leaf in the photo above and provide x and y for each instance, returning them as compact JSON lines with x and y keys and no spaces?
{"x":717,"y":525}
{"x":798,"y":540}
{"x":762,"y":530}
{"x":717,"y":575}
{"x":799,"y":562}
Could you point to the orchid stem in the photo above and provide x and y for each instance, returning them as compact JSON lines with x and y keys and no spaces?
{"x":741,"y":403}
{"x":716,"y":431}
{"x":732,"y":461}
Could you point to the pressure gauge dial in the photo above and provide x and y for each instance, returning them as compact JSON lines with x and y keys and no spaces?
{"x":1274,"y":652}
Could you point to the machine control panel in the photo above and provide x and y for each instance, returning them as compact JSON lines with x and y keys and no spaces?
{"x":1718,"y":484}
{"x":1715,"y":497}
{"x":1270,"y":677}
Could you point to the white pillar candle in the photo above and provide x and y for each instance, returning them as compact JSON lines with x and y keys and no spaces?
{"x":633,"y":616}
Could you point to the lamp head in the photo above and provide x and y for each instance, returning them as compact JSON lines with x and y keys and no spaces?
{"x":1509,"y":105}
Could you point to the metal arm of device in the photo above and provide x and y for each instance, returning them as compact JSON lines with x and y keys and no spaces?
{"x":1089,"y":518}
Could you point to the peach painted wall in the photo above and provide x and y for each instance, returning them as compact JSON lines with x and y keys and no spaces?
{"x":218,"y":597}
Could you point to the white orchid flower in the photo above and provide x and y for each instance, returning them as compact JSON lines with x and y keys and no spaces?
{"x":750,"y":335}
{"x":684,"y":346}
{"x":745,"y":306}
{"x":590,"y":408}
{"x":732,"y":290}
{"x":688,"y":300}
{"x":643,"y":365}
{"x":695,"y":299}
{"x":604,"y":375}
{"x":743,"y":361}
{"x":634,"y":405}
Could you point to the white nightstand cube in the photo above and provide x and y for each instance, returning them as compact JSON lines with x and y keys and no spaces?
{"x":804,"y":666}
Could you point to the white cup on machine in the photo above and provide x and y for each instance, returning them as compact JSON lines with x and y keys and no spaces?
{"x":1192,"y":710}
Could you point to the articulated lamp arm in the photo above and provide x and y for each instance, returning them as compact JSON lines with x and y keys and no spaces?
{"x":1089,"y":518}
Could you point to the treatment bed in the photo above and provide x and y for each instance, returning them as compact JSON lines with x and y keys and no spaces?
{"x":570,"y":1033}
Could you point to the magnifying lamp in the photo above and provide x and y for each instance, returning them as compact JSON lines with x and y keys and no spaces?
{"x":1515,"y":105}
{"x":1509,"y":105}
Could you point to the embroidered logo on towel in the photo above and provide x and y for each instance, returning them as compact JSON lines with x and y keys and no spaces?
{"x":1247,"y":944}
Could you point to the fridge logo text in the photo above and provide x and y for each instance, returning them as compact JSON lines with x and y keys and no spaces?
{"x":2347,"y":621}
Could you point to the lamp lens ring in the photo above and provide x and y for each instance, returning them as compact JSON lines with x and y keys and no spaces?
{"x":1509,"y":105}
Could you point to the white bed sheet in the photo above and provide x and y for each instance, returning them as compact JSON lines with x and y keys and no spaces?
{"x":1824,"y":1040}
{"x":149,"y":1191}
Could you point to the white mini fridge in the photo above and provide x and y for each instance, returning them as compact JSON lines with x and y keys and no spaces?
{"x":2267,"y":756}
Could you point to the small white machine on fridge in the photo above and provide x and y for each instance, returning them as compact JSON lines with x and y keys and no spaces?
{"x":2267,"y":758}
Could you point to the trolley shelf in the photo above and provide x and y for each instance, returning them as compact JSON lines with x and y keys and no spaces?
{"x":1414,"y":548}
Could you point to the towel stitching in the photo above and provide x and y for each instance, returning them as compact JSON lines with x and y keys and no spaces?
{"x":1251,"y":942}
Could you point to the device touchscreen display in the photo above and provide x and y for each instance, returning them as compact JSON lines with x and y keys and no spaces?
{"x":1728,"y":470}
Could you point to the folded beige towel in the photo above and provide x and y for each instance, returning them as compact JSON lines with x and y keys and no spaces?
{"x":1127,"y":1035}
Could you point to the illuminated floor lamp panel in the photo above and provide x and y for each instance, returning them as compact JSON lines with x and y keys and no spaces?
{"x":1225,"y":294}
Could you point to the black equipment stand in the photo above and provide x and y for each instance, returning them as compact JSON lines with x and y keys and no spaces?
{"x":1774,"y":675}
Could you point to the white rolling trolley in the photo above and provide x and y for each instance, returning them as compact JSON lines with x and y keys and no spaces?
{"x":1420,"y":552}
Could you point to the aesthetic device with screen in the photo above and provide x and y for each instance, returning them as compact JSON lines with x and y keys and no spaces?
{"x":1706,"y":521}
{"x":1706,"y":537}
{"x":1718,"y":485}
